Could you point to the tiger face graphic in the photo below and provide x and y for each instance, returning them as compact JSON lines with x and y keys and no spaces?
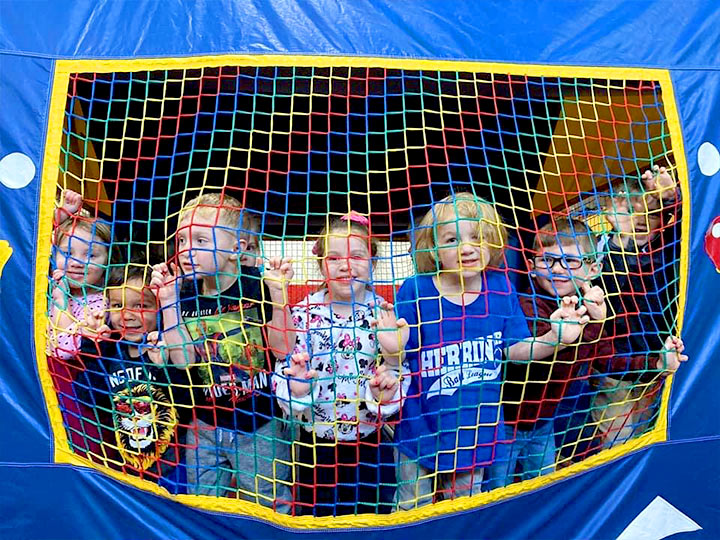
{"x":144,"y":423}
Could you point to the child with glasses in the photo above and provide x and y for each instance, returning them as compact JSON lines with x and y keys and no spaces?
{"x":564,"y":265}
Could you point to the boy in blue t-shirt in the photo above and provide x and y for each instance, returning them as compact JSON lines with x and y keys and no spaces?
{"x":463,"y":318}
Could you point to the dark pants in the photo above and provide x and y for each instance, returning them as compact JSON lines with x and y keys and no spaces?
{"x":574,"y":438}
{"x":353,"y":477}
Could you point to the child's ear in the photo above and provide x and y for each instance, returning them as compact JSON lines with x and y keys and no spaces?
{"x":595,"y":270}
{"x":531,"y":264}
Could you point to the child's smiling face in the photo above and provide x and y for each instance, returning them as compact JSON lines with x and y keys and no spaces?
{"x":460,"y":249}
{"x":83,"y":258}
{"x":636,"y":217}
{"x":133,"y":310}
{"x":559,"y":270}
{"x":346,"y":267}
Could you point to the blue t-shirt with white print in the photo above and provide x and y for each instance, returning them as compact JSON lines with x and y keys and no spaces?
{"x":452,"y":418}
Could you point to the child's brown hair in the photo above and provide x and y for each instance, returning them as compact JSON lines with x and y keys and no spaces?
{"x":566,"y":232}
{"x":631,"y":191}
{"x":136,"y":269}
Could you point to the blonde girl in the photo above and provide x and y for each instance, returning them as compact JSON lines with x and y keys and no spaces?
{"x":81,"y":247}
{"x":465,"y":320}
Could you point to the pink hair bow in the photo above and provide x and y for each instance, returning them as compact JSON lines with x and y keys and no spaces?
{"x":355,"y":217}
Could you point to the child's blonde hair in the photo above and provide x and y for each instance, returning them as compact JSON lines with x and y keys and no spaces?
{"x":452,"y":208}
{"x":250,"y":228}
{"x":352,"y":223}
{"x":85,"y":221}
{"x":226,"y":210}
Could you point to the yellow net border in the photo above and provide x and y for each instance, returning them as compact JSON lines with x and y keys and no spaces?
{"x":62,"y":72}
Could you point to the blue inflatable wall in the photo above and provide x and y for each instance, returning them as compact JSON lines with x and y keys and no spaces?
{"x":41,"y":498}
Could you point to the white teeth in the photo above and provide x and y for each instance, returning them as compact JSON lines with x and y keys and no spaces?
{"x":139,"y":438}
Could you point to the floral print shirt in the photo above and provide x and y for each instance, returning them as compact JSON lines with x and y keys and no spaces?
{"x":345,"y":353}
{"x":65,"y":345}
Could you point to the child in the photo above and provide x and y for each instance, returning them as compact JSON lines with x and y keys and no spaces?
{"x":564,"y":265}
{"x":139,"y":400}
{"x":640,"y":279}
{"x":81,"y":247}
{"x":250,"y":232}
{"x":344,"y":467}
{"x":231,"y":317}
{"x":462,"y":316}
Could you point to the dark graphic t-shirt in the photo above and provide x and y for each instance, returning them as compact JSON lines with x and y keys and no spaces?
{"x":233,"y":366}
{"x":641,"y":286}
{"x":139,"y":405}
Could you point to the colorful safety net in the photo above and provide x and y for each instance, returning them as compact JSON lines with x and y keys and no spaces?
{"x":339,"y":291}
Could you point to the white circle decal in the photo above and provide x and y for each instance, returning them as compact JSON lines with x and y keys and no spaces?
{"x":715,"y":231}
{"x":708,"y":159}
{"x":16,"y":170}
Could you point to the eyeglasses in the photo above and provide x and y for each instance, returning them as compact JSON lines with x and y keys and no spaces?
{"x":566,"y":262}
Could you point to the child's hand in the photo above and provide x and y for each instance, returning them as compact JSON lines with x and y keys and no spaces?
{"x":594,"y":301}
{"x":164,"y":277}
{"x":671,"y":356}
{"x":618,"y":213}
{"x":659,"y":180}
{"x":392,"y":333}
{"x":72,"y":201}
{"x":383,"y":385}
{"x":60,"y":292}
{"x":299,"y":370}
{"x":278,"y":273}
{"x":155,"y":348}
{"x":568,"y":321}
{"x":94,"y":325}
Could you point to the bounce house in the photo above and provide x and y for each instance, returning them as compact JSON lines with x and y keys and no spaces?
{"x":445,"y":269}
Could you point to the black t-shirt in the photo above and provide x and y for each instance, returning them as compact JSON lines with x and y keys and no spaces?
{"x":642,"y":291}
{"x":139,"y":405}
{"x":233,"y":364}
